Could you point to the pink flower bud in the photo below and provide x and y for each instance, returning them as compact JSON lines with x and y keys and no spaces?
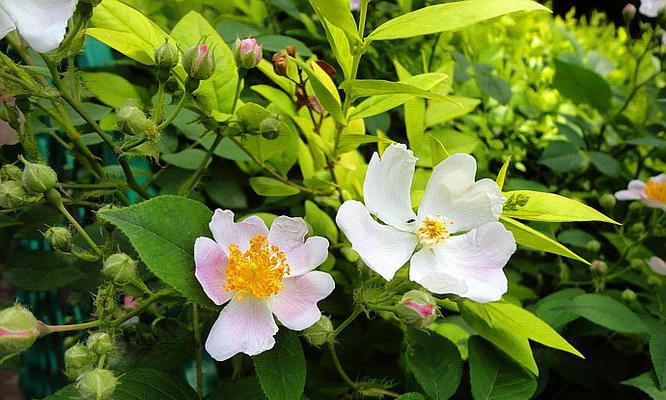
{"x":130,"y":303}
{"x":199,"y":62}
{"x":247,"y":53}
{"x":599,"y":267}
{"x":18,"y":329}
{"x":629,"y":12}
{"x":417,"y":309}
{"x":657,"y":265}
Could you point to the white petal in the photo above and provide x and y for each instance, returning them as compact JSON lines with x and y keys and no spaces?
{"x":383,"y":248}
{"x":657,"y":265}
{"x":288,"y":235}
{"x":42,"y":23}
{"x":244,"y":326}
{"x":296,"y":304}
{"x":387,"y":186}
{"x":475,"y":258}
{"x":211,"y":263}
{"x":661,"y":178}
{"x":6,"y":25}
{"x":226,"y":232}
{"x":650,"y":8}
{"x":635,"y":190}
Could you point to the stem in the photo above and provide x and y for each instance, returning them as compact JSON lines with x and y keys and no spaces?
{"x":197,"y":339}
{"x":175,"y":113}
{"x":338,"y":366}
{"x":78,"y":24}
{"x":55,"y":199}
{"x":194,"y":179}
{"x":241,"y":74}
{"x":345,"y":323}
{"x":142,"y":307}
{"x":48,"y":329}
{"x":91,"y":186}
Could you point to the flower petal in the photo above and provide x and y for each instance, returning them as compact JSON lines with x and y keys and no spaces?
{"x":244,"y":326}
{"x":6,"y":25}
{"x":7,"y":134}
{"x":635,"y":190}
{"x":211,"y":263}
{"x":41,"y":23}
{"x":296,"y":304}
{"x":475,"y":258}
{"x":288,"y":235}
{"x":657,"y":265}
{"x":226,"y":232}
{"x":383,"y":248}
{"x":650,"y":8}
{"x":387,"y":186}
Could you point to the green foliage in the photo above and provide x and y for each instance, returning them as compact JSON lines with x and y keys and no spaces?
{"x":287,"y":355}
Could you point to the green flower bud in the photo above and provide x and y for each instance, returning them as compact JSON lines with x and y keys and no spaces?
{"x":134,"y":122}
{"x":166,"y":56}
{"x":270,"y":128}
{"x":599,"y":267}
{"x":120,"y":269}
{"x":637,"y":228}
{"x":636,"y":263}
{"x":37,"y":177}
{"x":98,"y":384}
{"x":635,"y":206}
{"x":417,"y":309}
{"x":18,"y":329}
{"x":607,"y":201}
{"x":628,"y":13}
{"x":60,"y":238}
{"x":629,"y":295}
{"x":653,"y":280}
{"x":12,"y":194}
{"x":199,"y":62}
{"x":320,"y":333}
{"x":593,"y":246}
{"x":78,"y":359}
{"x":10,"y":172}
{"x":100,"y":343}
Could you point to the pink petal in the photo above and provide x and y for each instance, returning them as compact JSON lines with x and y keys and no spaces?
{"x":7,"y":134}
{"x":296,"y":305}
{"x":657,"y":265}
{"x":244,"y":326}
{"x":302,"y":256}
{"x":226,"y":232}
{"x":211,"y":263}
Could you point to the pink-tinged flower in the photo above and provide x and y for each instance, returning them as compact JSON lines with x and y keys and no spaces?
{"x":652,"y":192}
{"x":129,"y":302}
{"x":247,"y":53}
{"x":455,"y":242}
{"x":259,"y":273}
{"x":8,"y":135}
{"x":42,"y":23}
{"x":657,"y":265}
{"x":650,"y":8}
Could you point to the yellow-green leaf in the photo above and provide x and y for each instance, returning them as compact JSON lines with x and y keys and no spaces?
{"x":338,"y":13}
{"x":549,"y":207}
{"x":329,"y":100}
{"x":501,"y":176}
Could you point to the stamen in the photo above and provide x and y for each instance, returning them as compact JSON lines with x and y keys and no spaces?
{"x":655,"y":191}
{"x":432,"y":231}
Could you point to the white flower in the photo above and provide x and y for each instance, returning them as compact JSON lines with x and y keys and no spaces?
{"x":652,"y":192}
{"x":460,"y":246}
{"x":354,"y":5}
{"x":650,"y":8}
{"x":657,"y":265}
{"x":41,"y":23}
{"x":259,"y":273}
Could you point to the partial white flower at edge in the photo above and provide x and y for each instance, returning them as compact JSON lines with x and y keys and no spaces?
{"x":650,"y":8}
{"x":657,"y":265}
{"x":454,"y":243}
{"x":42,"y":23}
{"x":259,"y":273}
{"x":652,"y":192}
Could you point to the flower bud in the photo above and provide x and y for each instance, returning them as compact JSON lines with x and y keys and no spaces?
{"x":166,"y":56}
{"x":199,"y":62}
{"x":635,"y":206}
{"x":629,"y":295}
{"x":60,"y":238}
{"x":417,"y":309}
{"x":291,"y":50}
{"x":78,"y":359}
{"x":280,"y":63}
{"x":37,"y":177}
{"x":599,"y":267}
{"x":628,"y":12}
{"x":607,"y":201}
{"x":98,"y":384}
{"x":593,"y":246}
{"x":653,"y":280}
{"x":134,"y":122}
{"x":637,"y":228}
{"x":120,"y":269}
{"x":247,"y":53}
{"x":10,"y":172}
{"x":100,"y":343}
{"x":12,"y":194}
{"x":657,"y":265}
{"x":320,"y":333}
{"x":270,"y":128}
{"x":18,"y":329}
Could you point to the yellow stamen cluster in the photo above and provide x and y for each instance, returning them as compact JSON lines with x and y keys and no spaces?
{"x":432,"y":231}
{"x":656,"y":191}
{"x":256,"y":272}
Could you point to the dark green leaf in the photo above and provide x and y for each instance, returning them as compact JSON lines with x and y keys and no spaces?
{"x":561,"y":156}
{"x":493,"y":86}
{"x":658,"y":353}
{"x":238,"y":389}
{"x":281,"y":370}
{"x":271,"y":187}
{"x":582,"y":85}
{"x":606,"y":164}
{"x":605,"y":311}
{"x":647,"y":382}
{"x":41,"y":270}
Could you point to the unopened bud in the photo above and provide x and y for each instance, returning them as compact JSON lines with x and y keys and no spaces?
{"x":166,"y":56}
{"x":320,"y":333}
{"x":629,"y":295}
{"x":18,"y":329}
{"x":628,"y":12}
{"x":98,"y":384}
{"x":417,"y":309}
{"x":280,"y":63}
{"x":599,"y":267}
{"x":10,"y":172}
{"x":120,"y":269}
{"x":637,"y":228}
{"x":199,"y":62}
{"x":657,"y":265}
{"x":607,"y":201}
{"x":37,"y":177}
{"x":593,"y":246}
{"x":100,"y":343}
{"x":635,"y":206}
{"x":78,"y":359}
{"x":247,"y":53}
{"x":653,"y":280}
{"x":636,"y":263}
{"x":270,"y":128}
{"x":134,"y":122}
{"x":60,"y":238}
{"x":291,"y":50}
{"x":12,"y":194}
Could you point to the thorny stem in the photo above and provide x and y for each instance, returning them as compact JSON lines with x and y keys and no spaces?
{"x":338,"y":366}
{"x":345,"y":323}
{"x":174,"y":114}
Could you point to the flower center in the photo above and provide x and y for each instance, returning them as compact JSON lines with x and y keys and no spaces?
{"x":656,"y":191}
{"x":258,"y":271}
{"x":432,"y":231}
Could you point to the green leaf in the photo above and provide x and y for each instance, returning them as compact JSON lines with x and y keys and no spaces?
{"x":220,"y":89}
{"x":647,"y":382}
{"x":339,"y":43}
{"x":40,"y":270}
{"x":287,"y":355}
{"x":448,"y":17}
{"x":546,"y":308}
{"x":440,"y":112}
{"x":530,"y":237}
{"x":6,"y":221}
{"x":435,"y":363}
{"x":238,"y":389}
{"x":324,"y":95}
{"x":605,"y":311}
{"x":501,"y":175}
{"x":111,"y":89}
{"x":126,"y":30}
{"x":163,"y":231}
{"x":377,"y":87}
{"x":605,"y":164}
{"x":338,"y":13}
{"x":561,"y":156}
{"x":494,"y":376}
{"x":550,"y":207}
{"x":411,"y":396}
{"x":582,"y":85}
{"x":351,"y":142}
{"x":186,"y":159}
{"x":322,"y":224}
{"x":493,"y":86}
{"x":658,"y":354}
{"x":271,"y":187}
{"x":438,"y":152}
